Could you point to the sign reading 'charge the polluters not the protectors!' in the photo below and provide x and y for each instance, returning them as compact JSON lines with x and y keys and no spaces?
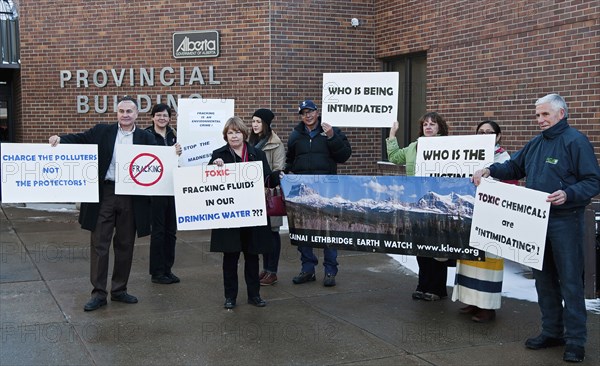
{"x":42,"y":173}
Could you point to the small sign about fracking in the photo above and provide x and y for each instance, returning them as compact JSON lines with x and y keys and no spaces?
{"x":366,"y":99}
{"x":145,"y":170}
{"x":200,"y":128}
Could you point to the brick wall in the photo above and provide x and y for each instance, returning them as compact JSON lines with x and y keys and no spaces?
{"x":486,"y":59}
{"x":493,"y":59}
{"x":273,"y":54}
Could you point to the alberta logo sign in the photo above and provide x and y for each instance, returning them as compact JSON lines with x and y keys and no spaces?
{"x":196,"y":44}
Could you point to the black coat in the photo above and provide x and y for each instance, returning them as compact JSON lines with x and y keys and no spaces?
{"x":317,"y":155}
{"x":104,"y":135}
{"x":258,"y":238}
{"x":170,"y":138}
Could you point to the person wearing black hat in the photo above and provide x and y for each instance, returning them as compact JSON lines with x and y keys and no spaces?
{"x":315,"y":147}
{"x":262,"y":137}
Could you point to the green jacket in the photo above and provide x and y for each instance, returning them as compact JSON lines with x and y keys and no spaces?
{"x":406,"y":156}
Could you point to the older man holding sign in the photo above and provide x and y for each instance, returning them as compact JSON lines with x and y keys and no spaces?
{"x":116,"y":218}
{"x":561,"y":162}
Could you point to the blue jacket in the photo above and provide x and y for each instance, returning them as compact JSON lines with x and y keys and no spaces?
{"x":560,"y":158}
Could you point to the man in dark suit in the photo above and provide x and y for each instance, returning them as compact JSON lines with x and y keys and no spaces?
{"x":120,"y":216}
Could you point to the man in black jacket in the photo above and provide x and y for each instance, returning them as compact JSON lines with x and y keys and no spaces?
{"x":316,"y":148}
{"x":120,"y":216}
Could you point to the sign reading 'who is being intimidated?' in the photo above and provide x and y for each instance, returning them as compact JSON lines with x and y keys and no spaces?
{"x":42,"y":173}
{"x":361,"y":99}
{"x":196,"y":44}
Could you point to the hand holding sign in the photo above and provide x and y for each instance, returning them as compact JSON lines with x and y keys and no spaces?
{"x":327,"y":129}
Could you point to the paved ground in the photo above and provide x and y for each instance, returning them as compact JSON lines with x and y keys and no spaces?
{"x":369,"y":318}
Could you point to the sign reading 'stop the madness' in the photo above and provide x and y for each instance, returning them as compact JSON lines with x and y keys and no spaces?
{"x":196,"y":44}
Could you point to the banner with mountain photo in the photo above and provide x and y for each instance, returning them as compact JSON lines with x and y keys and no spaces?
{"x":425,"y":216}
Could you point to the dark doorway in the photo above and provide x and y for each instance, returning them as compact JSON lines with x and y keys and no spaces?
{"x":6,"y":118}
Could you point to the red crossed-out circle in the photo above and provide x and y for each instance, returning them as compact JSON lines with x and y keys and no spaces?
{"x":135,"y":177}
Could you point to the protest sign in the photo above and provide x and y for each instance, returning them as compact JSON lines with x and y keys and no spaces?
{"x":365,"y":99}
{"x":511,"y":222}
{"x":145,"y":170}
{"x":42,"y":173}
{"x":211,"y":197}
{"x":387,"y":214}
{"x":200,"y":127}
{"x":454,"y":156}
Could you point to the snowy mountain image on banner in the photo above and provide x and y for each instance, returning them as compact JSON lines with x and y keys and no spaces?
{"x":426,"y":216}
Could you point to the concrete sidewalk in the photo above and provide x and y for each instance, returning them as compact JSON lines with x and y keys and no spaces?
{"x":369,"y":318}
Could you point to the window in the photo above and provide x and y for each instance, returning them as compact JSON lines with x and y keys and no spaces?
{"x":412,"y":96}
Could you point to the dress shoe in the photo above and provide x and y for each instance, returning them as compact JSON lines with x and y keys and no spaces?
{"x":229,"y":303}
{"x":174,"y":279}
{"x":262,"y":275}
{"x":257,"y":301}
{"x":542,"y":341}
{"x":124,"y":297}
{"x":269,"y":279}
{"x":484,"y":316}
{"x":469,"y":309}
{"x":428,"y":296}
{"x":94,"y":303}
{"x":418,"y":295}
{"x":303,"y":277}
{"x":574,"y":353}
{"x":162,"y":279}
{"x":329,"y":280}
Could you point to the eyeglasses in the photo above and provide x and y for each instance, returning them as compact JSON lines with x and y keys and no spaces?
{"x":486,"y":132}
{"x":307,"y":113}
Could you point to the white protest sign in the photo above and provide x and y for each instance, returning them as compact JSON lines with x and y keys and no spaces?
{"x":454,"y":156}
{"x":196,"y":153}
{"x":145,"y":170}
{"x":200,"y":122}
{"x":42,"y":173}
{"x":511,"y":222}
{"x":365,"y":99}
{"x":211,"y":197}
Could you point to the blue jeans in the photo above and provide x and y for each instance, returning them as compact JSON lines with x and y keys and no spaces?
{"x":309,"y":260}
{"x":271,"y":260}
{"x":561,"y":278}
